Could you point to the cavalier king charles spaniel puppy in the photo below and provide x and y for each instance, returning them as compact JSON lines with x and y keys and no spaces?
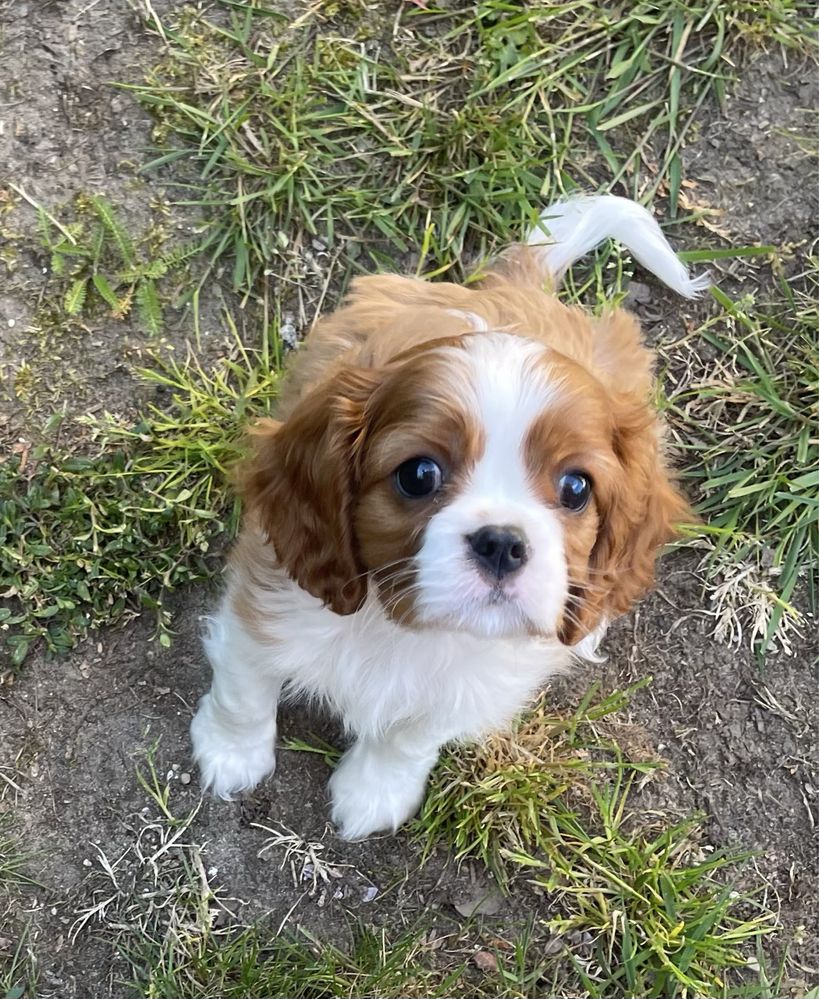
{"x":463,"y":486}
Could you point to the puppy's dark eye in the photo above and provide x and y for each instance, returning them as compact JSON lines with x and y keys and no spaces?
{"x":418,"y":477}
{"x":574,"y":491}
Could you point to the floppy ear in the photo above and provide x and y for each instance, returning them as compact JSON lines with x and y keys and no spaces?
{"x":301,"y":487}
{"x":639,"y":516}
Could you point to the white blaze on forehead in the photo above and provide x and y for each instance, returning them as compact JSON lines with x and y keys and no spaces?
{"x":511,"y":387}
{"x":505,"y":384}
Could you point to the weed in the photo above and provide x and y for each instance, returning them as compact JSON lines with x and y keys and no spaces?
{"x":18,"y":970}
{"x":330,"y":754}
{"x":490,"y":797}
{"x":159,"y":791}
{"x":97,"y":265}
{"x":660,"y":922}
{"x":87,"y":540}
{"x":306,"y":859}
{"x":13,"y":862}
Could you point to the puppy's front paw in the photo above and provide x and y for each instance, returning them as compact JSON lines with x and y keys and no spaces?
{"x":373,"y":791}
{"x":231,"y":758}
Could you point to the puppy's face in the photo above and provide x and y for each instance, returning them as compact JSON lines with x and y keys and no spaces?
{"x":475,"y":505}
{"x":484,"y":482}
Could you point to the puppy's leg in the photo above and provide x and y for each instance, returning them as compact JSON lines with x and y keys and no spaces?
{"x":380,"y":783}
{"x":234,"y":729}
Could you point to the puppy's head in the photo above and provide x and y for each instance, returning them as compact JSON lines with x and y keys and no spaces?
{"x":485,"y":482}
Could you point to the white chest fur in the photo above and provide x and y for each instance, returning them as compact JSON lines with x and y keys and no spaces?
{"x":401,"y":692}
{"x":376,"y":674}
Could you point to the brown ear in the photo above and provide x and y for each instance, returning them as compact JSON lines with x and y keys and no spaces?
{"x":639,"y":516}
{"x":300,"y":485}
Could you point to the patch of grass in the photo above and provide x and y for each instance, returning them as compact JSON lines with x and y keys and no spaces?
{"x":745,"y":418}
{"x":156,"y":902}
{"x":18,"y":970}
{"x":488,"y":799}
{"x":742,"y":406}
{"x":234,"y":966}
{"x":12,"y":861}
{"x":376,"y":129}
{"x":655,"y":914}
{"x":89,"y":540}
{"x":98,"y":267}
{"x":661,"y":922}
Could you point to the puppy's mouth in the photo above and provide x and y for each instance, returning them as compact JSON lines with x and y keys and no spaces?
{"x":501,"y":603}
{"x":469,"y":602}
{"x":498,"y":596}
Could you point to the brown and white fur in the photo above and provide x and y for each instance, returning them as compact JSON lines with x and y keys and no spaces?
{"x":382,"y":606}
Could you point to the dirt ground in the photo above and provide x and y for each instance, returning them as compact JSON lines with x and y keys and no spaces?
{"x":741,"y":742}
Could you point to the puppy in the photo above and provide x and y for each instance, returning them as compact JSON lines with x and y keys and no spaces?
{"x":463,"y":487}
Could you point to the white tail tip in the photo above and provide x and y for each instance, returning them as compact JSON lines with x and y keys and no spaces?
{"x":570,"y":229}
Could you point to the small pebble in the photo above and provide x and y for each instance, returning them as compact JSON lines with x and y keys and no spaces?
{"x":288,"y":332}
{"x":184,"y":778}
{"x":485,"y":961}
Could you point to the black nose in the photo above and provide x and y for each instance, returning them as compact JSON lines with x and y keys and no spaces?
{"x":500,"y":550}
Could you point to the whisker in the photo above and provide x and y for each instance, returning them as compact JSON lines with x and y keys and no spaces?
{"x":379,"y":577}
{"x":368,"y":572}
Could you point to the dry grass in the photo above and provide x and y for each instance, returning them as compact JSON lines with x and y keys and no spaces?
{"x":744,"y":413}
{"x":640,"y":907}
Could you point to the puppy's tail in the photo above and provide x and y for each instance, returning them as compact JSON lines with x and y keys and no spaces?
{"x":569,"y":229}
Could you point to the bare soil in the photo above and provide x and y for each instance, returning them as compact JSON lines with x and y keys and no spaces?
{"x":741,"y":742}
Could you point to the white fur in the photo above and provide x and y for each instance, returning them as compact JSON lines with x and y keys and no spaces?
{"x":570,"y":229}
{"x":402,"y":693}
{"x":378,"y":785}
{"x":235,"y":727}
{"x":506,"y":386}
